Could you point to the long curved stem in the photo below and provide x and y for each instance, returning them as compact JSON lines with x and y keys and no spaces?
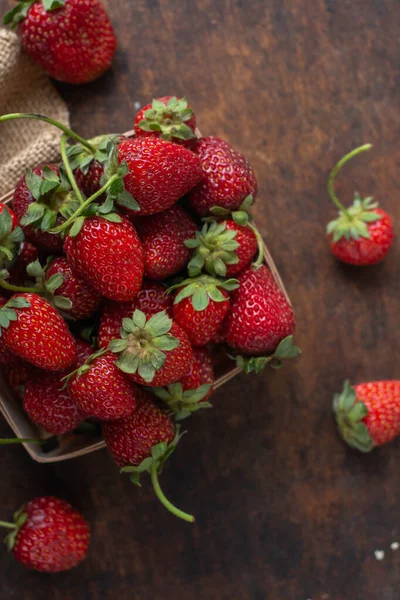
{"x":260,"y":245}
{"x":51,"y":121}
{"x":336,"y":170}
{"x":6,"y":441}
{"x":82,"y":207}
{"x":8,"y":525}
{"x":16,"y":288}
{"x":68,"y":170}
{"x":168,"y":505}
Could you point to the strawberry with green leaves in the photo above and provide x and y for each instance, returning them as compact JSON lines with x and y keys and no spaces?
{"x":33,"y":330}
{"x":169,"y":118}
{"x":10,"y":236}
{"x":153,"y":349}
{"x":362,"y":234}
{"x":192,"y":392}
{"x":27,"y":254}
{"x":368,"y":414}
{"x":48,"y":535}
{"x":142,"y":443}
{"x":200,"y":305}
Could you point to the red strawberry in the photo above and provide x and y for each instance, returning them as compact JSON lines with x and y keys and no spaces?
{"x":108,"y":256}
{"x":83,"y":351}
{"x":194,"y":389}
{"x":49,"y":405}
{"x":84,"y":300}
{"x":72,"y":40}
{"x":201,"y":305}
{"x":16,"y":375}
{"x":148,"y":435}
{"x":160,"y":172}
{"x":7,"y":357}
{"x":163,"y":236}
{"x":363,"y":233}
{"x":368,"y":414}
{"x":48,"y":535}
{"x":89,"y":182}
{"x":27,"y":254}
{"x":168,"y":117}
{"x":260,"y":319}
{"x":36,"y":202}
{"x":101,"y":390}
{"x":152,"y":298}
{"x":155,"y":351}
{"x":33,"y":329}
{"x":10,"y":235}
{"x":223,"y":249}
{"x":227,"y":177}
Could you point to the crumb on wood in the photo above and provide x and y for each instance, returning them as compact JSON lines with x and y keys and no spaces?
{"x":379,"y":554}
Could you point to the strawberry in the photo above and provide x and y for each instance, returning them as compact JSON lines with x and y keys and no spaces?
{"x":108,"y":256}
{"x":48,"y":535}
{"x":100,"y":389}
{"x":16,"y":375}
{"x":200,"y":305}
{"x":72,"y":40}
{"x":7,"y":357}
{"x":160,"y":172}
{"x":169,"y":118}
{"x":227,"y":177}
{"x":90,"y":181}
{"x":223,"y":249}
{"x":34,"y":331}
{"x":143,"y":442}
{"x":154,"y":350}
{"x":10,"y":235}
{"x":260,"y":321}
{"x":36,"y":202}
{"x":363,"y":233}
{"x":368,"y":414}
{"x":163,"y":236}
{"x":83,"y":300}
{"x":152,"y":298}
{"x":193,"y":390}
{"x":27,"y":254}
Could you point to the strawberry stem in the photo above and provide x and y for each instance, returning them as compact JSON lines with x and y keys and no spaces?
{"x":16,"y":288}
{"x":6,"y":441}
{"x":336,"y":170}
{"x":260,"y":244}
{"x":82,"y":207}
{"x":160,"y":495}
{"x":57,"y":124}
{"x":68,"y":170}
{"x":8,"y":525}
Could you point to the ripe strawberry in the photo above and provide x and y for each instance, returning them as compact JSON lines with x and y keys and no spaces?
{"x":83,"y":300}
{"x":227,"y":177}
{"x":33,"y":329}
{"x":143,"y":442}
{"x":169,"y":118}
{"x":108,"y":256}
{"x":72,"y":40}
{"x":7,"y":357}
{"x":152,"y":298}
{"x":160,"y":172}
{"x":368,"y":414}
{"x":363,"y":233}
{"x":10,"y":235}
{"x":260,"y":320}
{"x":89,"y":182}
{"x":163,"y":236}
{"x":223,"y":249}
{"x":37,"y":199}
{"x":101,"y":390}
{"x":155,"y":351}
{"x":16,"y":375}
{"x":193,"y":390}
{"x":48,"y":535}
{"x":200,"y":305}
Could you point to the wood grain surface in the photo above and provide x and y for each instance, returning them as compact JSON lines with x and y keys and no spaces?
{"x":284,"y":510}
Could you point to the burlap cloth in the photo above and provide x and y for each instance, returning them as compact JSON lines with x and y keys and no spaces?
{"x":24,"y":88}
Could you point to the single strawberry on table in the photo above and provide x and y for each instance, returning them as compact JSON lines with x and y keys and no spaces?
{"x":72,"y":40}
{"x":48,"y":535}
{"x":200,"y":306}
{"x":169,"y":118}
{"x":368,"y":414}
{"x":227,"y":179}
{"x":162,"y":236}
{"x":362,"y":234}
{"x":142,"y":443}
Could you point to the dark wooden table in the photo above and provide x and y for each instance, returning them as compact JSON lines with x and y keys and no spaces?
{"x":284,"y":510}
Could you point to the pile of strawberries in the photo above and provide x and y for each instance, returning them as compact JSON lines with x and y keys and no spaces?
{"x":125,"y":268}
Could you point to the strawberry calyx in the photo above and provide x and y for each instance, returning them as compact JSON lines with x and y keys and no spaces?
{"x":153,"y":465}
{"x":183,"y":403}
{"x":144,"y":343}
{"x":214,"y":248}
{"x":350,"y":413}
{"x":48,"y":287}
{"x":241,"y":216}
{"x":50,"y":191}
{"x":7,"y":312}
{"x":19,"y":12}
{"x":80,"y":157}
{"x":169,"y":119}
{"x":19,"y":518}
{"x":202,"y":289}
{"x":256,"y":364}
{"x":352,"y":223}
{"x":9,"y":238}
